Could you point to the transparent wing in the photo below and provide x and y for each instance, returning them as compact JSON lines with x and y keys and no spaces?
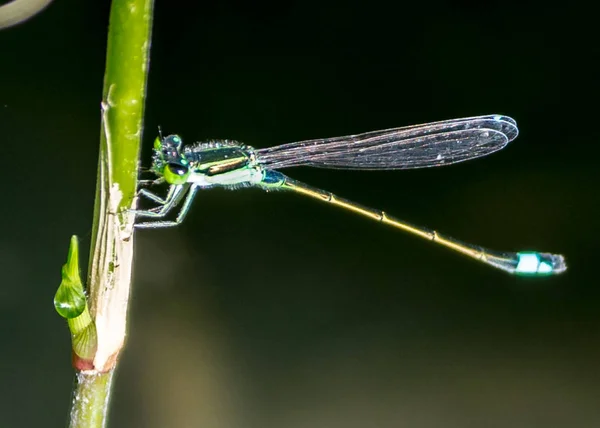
{"x":417,"y":146}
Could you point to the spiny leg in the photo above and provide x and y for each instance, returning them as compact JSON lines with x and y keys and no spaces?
{"x":153,"y":182}
{"x":182,"y":213}
{"x":174,"y":190}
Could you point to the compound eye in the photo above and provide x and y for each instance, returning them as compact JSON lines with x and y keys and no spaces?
{"x":176,"y":173}
{"x":173,"y":141}
{"x":169,"y":144}
{"x":177,"y":169}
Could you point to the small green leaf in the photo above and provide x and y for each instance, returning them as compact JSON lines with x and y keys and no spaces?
{"x":70,"y":303}
{"x":69,"y":299}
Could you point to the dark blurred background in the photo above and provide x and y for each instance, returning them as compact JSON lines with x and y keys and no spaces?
{"x":273,"y":310}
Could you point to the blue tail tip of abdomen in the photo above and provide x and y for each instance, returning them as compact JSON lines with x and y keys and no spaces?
{"x":534,"y":263}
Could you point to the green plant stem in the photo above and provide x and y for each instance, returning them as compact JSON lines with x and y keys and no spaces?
{"x":90,"y":406}
{"x":111,"y":254}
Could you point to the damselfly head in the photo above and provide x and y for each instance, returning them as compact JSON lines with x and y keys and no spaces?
{"x":166,"y":151}
{"x":169,"y":145}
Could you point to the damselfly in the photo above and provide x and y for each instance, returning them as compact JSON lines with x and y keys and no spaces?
{"x":230,"y":164}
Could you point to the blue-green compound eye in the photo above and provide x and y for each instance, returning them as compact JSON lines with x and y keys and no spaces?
{"x":176,"y":173}
{"x":173,"y":141}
